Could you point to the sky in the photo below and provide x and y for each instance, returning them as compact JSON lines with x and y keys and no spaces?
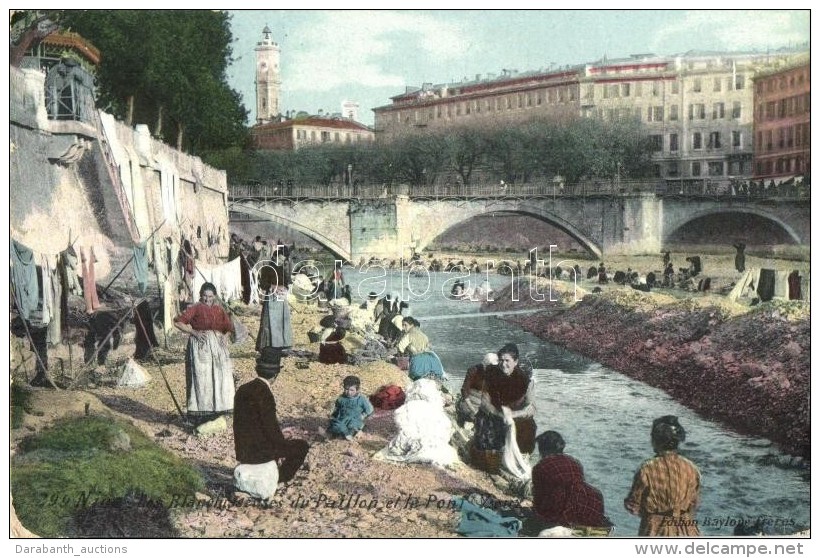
{"x":368,"y":56}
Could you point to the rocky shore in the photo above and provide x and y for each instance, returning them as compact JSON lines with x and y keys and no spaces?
{"x":747,"y":368}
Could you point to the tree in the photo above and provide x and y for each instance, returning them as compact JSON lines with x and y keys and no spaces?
{"x":465,"y":148}
{"x":167,"y":68}
{"x":27,"y":29}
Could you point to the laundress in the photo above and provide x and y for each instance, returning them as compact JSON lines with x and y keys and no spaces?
{"x":208,"y":376}
{"x":209,"y":383}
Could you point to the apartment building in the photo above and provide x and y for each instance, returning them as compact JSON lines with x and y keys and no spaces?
{"x":485,"y":101}
{"x":697,"y":107}
{"x":312,"y":130}
{"x":782,"y":121}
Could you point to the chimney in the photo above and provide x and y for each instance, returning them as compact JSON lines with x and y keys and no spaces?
{"x":478,"y":77}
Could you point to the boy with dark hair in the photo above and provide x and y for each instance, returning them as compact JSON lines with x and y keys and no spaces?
{"x":351,"y":409}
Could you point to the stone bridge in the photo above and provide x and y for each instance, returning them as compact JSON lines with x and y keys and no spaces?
{"x":392,"y":226}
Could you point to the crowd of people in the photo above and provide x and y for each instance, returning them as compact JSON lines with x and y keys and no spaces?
{"x":495,"y":404}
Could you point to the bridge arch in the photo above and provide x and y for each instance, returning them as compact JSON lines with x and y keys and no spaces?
{"x":247,"y":208}
{"x":590,"y":245}
{"x":675,"y":225}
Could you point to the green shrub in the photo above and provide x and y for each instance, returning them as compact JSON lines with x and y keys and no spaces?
{"x":82,"y":461}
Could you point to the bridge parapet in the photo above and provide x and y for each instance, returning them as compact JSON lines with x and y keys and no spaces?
{"x":717,"y":189}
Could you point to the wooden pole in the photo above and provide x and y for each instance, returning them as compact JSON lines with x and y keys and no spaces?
{"x":130,"y":259}
{"x":87,"y":367}
{"x":31,"y":341}
{"x":161,"y":371}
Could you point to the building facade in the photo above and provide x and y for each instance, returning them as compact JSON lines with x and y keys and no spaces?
{"x":782,"y":122}
{"x":268,"y":82}
{"x":697,"y":107}
{"x":310,"y":131}
{"x":487,"y":101}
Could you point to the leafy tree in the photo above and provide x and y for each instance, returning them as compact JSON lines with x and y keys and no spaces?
{"x":167,"y":68}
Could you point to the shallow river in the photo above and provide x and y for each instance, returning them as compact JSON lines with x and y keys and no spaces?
{"x":605,"y":417}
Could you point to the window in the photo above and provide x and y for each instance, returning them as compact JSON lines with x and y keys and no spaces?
{"x":313,"y":135}
{"x":672,"y":168}
{"x":790,"y":136}
{"x":714,"y":140}
{"x":656,"y":88}
{"x":673,"y":112}
{"x":696,"y":168}
{"x":638,"y":89}
{"x":736,"y":109}
{"x":539,"y":99}
{"x":740,"y":81}
{"x":673,"y":142}
{"x":336,"y":136}
{"x":697,"y":141}
{"x":716,"y":168}
{"x":717,"y":111}
{"x":604,"y":91}
{"x":520,"y":101}
{"x":529,"y":100}
{"x":769,"y":140}
{"x":656,"y":170}
{"x":467,"y":107}
{"x":697,"y":110}
{"x":717,"y":85}
{"x":656,"y":141}
{"x":657,"y":114}
{"x":458,"y":109}
{"x":325,"y":136}
{"x":675,"y":88}
{"x":624,"y":90}
{"x":736,"y":139}
{"x":697,"y":85}
{"x":509,"y":103}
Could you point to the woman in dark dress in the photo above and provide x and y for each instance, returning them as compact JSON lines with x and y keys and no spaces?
{"x":506,"y":387}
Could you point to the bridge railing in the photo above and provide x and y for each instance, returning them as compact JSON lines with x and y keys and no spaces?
{"x":694,"y":188}
{"x":735,"y":189}
{"x":438,"y":191}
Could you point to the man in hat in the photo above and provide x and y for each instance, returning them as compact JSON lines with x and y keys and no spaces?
{"x":257,"y":435}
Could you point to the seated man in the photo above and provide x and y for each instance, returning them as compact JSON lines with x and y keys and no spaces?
{"x":560,"y":496}
{"x":257,"y":435}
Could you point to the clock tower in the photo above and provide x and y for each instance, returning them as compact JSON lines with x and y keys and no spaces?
{"x":267,"y":78}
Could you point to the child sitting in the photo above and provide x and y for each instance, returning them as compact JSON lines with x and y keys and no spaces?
{"x":350,"y":411}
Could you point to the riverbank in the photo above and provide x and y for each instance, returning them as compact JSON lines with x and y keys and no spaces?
{"x":342,"y":493}
{"x":745,"y":367}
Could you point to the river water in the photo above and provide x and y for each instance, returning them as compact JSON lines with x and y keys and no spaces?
{"x":604,"y":416}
